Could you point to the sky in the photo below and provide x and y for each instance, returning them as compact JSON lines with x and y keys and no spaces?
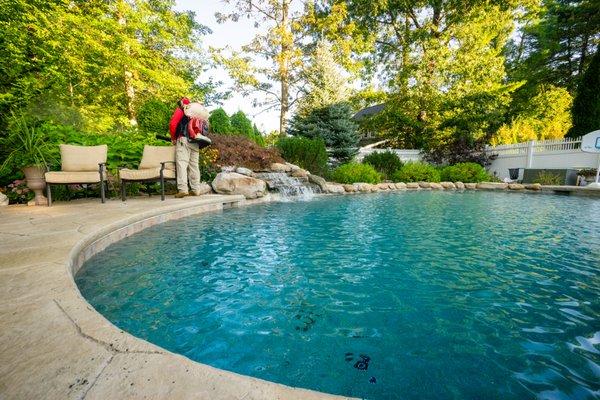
{"x":234,"y":35}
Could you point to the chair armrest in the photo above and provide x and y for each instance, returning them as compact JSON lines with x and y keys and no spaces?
{"x":162,"y":164}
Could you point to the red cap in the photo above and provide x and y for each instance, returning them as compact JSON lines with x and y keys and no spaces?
{"x":185,"y":101}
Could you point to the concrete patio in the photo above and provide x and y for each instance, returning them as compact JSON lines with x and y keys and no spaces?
{"x":54,"y":345}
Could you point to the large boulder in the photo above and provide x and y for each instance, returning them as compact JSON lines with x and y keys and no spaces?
{"x":435,"y":186}
{"x":515,"y":186}
{"x":470,"y":186}
{"x":293,"y":167}
{"x":234,"y":183}
{"x":363,"y":187}
{"x":492,"y":185}
{"x":383,"y":186}
{"x":413,"y":186}
{"x":400,"y":185}
{"x":278,"y":167}
{"x":244,"y":171}
{"x":448,"y":185}
{"x":335,"y":188}
{"x":317,"y":180}
{"x":3,"y":200}
{"x":349,"y":188}
{"x":459,"y":185}
{"x":424,"y":185}
{"x":299,"y":173}
{"x":205,"y":188}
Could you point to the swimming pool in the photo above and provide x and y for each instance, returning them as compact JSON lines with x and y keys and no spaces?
{"x":392,"y":295}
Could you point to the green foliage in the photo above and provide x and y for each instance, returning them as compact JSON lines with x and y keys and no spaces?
{"x":586,"y":107}
{"x":97,"y":60}
{"x":309,"y":154}
{"x":548,"y":178}
{"x":354,"y":172}
{"x":464,"y":172}
{"x":386,"y":162}
{"x":545,"y":116}
{"x":219,"y":122}
{"x":417,"y":172}
{"x":333,"y":124}
{"x":26,"y":144}
{"x":153,"y":117}
{"x":241,"y":125}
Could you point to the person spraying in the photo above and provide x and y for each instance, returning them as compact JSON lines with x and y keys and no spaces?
{"x":188,"y":128}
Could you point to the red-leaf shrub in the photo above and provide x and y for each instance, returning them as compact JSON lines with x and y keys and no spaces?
{"x":243,"y":152}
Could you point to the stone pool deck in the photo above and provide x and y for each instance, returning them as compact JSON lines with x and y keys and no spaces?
{"x":54,"y":345}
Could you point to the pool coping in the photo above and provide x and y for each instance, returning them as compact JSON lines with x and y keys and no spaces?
{"x":56,"y":345}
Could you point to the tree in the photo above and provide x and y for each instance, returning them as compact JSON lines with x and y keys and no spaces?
{"x":586,"y":106}
{"x":325,"y":81}
{"x":153,"y":117}
{"x":219,"y":122}
{"x":100,"y":59}
{"x":333,"y":124}
{"x":241,"y":125}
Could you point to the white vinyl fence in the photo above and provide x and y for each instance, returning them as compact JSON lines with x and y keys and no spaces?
{"x":558,"y":154}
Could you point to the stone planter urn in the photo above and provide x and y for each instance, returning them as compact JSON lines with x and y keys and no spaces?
{"x":36,"y":182}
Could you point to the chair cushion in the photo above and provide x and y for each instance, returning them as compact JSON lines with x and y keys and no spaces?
{"x":72,"y":177}
{"x":82,"y":158}
{"x":154,"y":155}
{"x":145,"y":174}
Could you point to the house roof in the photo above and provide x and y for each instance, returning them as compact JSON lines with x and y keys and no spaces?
{"x":368,"y":111}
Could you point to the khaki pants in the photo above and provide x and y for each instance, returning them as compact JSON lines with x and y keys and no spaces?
{"x":186,"y":157}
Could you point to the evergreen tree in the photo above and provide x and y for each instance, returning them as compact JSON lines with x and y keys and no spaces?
{"x":241,"y":125}
{"x":219,"y":122}
{"x":333,"y":124}
{"x":586,"y":106}
{"x":325,"y":80}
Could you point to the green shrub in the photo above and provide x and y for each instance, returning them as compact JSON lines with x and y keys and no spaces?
{"x":464,"y":172}
{"x":153,"y":117}
{"x":354,"y":172}
{"x":241,"y":125}
{"x":219,"y":122}
{"x":417,"y":172}
{"x":548,"y":178}
{"x":386,"y":163}
{"x":309,"y":154}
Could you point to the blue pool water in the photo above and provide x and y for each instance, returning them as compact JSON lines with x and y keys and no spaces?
{"x":415,"y":295}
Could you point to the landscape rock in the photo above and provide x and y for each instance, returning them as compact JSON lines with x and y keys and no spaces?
{"x":234,"y":183}
{"x":436,"y":186}
{"x":3,"y":200}
{"x":363,"y":187}
{"x":413,"y":186}
{"x":459,"y":185}
{"x":293,"y":167}
{"x":492,"y":185}
{"x":383,"y":186}
{"x":335,"y":188}
{"x":391,"y":185}
{"x":400,"y":185}
{"x":424,"y":185}
{"x":317,"y":180}
{"x":533,"y":186}
{"x":448,"y":185}
{"x":515,"y":186}
{"x":205,"y":188}
{"x":278,"y":167}
{"x":349,"y":188}
{"x":228,"y":168}
{"x":244,"y":171}
{"x":299,"y":173}
{"x":471,"y":186}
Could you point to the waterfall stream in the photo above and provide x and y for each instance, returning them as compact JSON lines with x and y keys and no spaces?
{"x":289,"y":187}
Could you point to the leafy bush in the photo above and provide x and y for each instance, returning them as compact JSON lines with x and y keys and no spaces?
{"x":241,"y":125}
{"x":309,"y":154}
{"x":386,"y":163}
{"x":243,"y":152}
{"x":548,"y":178}
{"x":417,"y":172}
{"x":464,"y":172}
{"x":153,"y":117}
{"x":219,"y":122}
{"x":333,"y":124}
{"x":354,"y":172}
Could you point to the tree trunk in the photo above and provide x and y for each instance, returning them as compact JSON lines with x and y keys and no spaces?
{"x":284,"y":61}
{"x":127,"y":74}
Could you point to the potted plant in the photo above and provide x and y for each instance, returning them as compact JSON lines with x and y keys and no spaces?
{"x":26,"y":149}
